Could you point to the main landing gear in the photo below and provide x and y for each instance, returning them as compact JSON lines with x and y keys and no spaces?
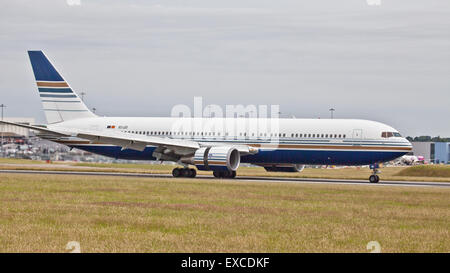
{"x":224,"y":174}
{"x":184,"y":172}
{"x":374,"y":178}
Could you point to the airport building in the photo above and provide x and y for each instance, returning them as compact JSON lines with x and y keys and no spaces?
{"x":433,"y":152}
{"x":442,"y":152}
{"x":14,"y":131}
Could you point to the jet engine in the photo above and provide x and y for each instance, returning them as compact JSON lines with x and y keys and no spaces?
{"x":217,"y":159}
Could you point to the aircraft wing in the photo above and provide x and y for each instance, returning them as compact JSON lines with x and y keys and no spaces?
{"x":126,"y":141}
{"x":167,"y":148}
{"x":139,"y":142}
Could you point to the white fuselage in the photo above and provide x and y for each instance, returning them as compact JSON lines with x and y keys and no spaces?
{"x":309,"y":141}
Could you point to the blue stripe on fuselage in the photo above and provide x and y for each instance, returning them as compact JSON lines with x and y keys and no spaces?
{"x":308,"y":157}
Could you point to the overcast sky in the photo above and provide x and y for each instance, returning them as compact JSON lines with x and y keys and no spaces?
{"x":388,"y":62}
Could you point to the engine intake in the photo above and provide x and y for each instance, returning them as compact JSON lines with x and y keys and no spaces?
{"x":217,"y":158}
{"x":294,"y":168}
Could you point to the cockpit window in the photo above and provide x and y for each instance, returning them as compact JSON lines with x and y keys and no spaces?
{"x":390,"y":134}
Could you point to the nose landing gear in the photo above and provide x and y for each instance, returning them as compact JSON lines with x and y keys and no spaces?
{"x":374,"y":178}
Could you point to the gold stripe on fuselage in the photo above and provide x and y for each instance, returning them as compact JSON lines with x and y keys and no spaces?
{"x":332,"y":147}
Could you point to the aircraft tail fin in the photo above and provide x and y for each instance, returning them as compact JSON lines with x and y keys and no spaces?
{"x":60,"y":103}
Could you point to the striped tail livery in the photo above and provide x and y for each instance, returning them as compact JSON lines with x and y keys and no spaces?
{"x":59,"y":101}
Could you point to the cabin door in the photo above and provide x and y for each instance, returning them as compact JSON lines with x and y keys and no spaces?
{"x":357,"y":133}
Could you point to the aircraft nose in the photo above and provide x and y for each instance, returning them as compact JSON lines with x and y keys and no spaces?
{"x":408,"y":143}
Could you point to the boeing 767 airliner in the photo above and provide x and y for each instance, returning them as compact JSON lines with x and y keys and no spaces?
{"x":197,"y":141}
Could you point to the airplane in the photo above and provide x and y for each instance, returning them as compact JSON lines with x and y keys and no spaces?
{"x":410,"y":160}
{"x":195,"y":141}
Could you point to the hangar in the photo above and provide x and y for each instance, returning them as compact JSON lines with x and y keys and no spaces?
{"x":433,"y":152}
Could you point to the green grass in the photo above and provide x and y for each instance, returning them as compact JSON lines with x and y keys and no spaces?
{"x":41,"y":213}
{"x":426,"y":171}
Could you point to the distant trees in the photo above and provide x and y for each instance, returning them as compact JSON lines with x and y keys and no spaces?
{"x":428,"y":139}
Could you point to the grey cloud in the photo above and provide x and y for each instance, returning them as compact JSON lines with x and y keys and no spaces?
{"x":389,"y":63}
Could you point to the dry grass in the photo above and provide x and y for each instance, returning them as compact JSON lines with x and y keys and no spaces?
{"x":427,"y":171}
{"x":19,"y":161}
{"x":41,"y":213}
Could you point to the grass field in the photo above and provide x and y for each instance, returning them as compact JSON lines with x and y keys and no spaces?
{"x":42,"y":213}
{"x":428,"y":171}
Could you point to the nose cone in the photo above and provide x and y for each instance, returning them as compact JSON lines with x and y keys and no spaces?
{"x":407,"y":144}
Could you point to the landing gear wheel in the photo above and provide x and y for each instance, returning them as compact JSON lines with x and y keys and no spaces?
{"x":224,"y":174}
{"x":217,"y":174}
{"x":186,"y":172}
{"x":374,"y":178}
{"x":193,"y":173}
{"x":176,"y":172}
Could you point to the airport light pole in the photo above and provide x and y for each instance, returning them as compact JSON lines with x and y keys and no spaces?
{"x":331,"y":112}
{"x":1,"y":145}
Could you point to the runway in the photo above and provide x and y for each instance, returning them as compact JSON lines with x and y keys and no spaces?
{"x":247,"y":178}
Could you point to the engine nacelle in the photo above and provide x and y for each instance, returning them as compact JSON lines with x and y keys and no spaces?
{"x":217,"y":158}
{"x":294,"y":168}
